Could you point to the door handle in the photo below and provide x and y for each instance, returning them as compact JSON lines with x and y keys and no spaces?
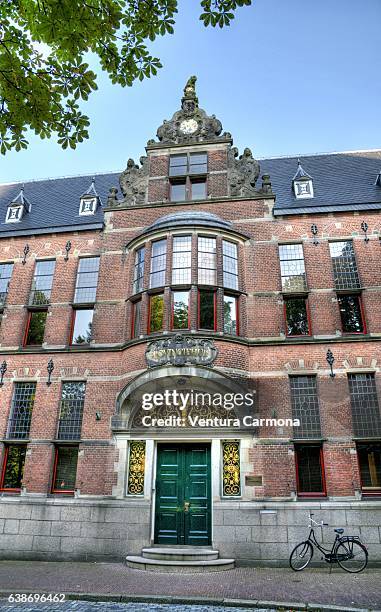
{"x":186,"y":506}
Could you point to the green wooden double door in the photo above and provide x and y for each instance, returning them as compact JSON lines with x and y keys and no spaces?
{"x":183,"y":494}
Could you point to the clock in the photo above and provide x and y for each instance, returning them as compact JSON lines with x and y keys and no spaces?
{"x":188,"y":126}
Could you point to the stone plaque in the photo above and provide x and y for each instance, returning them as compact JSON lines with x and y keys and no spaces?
{"x":253,"y":481}
{"x":180,"y":350}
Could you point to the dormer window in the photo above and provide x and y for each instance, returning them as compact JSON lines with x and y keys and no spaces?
{"x":88,"y":206}
{"x":17,"y":208}
{"x":14,"y":213}
{"x":89,"y":201}
{"x":302,"y":184}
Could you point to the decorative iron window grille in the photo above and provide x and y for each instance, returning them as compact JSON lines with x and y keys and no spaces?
{"x":5,"y":277}
{"x":136,"y":467}
{"x":366,"y":417}
{"x":230,"y":264}
{"x":181,"y":260}
{"x":231,"y":469}
{"x":305,"y":406}
{"x":71,"y":411}
{"x":344,"y":265}
{"x":158,"y":263}
{"x":292,"y":268}
{"x":207,"y":269}
{"x":42,"y":283}
{"x":87,"y":280}
{"x":139,"y":270}
{"x":21,"y":412}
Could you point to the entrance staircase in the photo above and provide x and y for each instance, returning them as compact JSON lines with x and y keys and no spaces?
{"x":190,"y":559}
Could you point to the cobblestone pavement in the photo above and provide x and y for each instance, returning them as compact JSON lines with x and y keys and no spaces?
{"x":316,"y":586}
{"x":86,"y":606}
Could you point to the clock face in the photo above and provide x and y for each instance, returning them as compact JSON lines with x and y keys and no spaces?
{"x":188,"y":126}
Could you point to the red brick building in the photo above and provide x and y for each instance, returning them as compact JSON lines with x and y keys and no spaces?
{"x":212,"y":273}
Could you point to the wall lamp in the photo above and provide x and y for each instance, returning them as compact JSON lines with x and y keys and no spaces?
{"x":3,"y":369}
{"x":330,"y":359}
{"x":50,"y":368}
{"x":364,"y":227}
{"x":314,"y":231}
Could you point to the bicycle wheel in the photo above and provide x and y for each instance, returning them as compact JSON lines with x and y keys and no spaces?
{"x":352,"y":556}
{"x":301,"y":556}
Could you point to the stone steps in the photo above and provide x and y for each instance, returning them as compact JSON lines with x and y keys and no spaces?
{"x":173,"y":559}
{"x":180,"y":554}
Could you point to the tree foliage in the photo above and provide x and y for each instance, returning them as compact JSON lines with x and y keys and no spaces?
{"x":41,"y":91}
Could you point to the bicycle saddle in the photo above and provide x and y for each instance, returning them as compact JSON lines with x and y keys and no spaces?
{"x":339,"y":530}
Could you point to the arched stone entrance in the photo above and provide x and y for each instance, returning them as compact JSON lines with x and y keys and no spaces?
{"x":183,"y":455}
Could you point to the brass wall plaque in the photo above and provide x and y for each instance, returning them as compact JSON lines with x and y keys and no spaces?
{"x":253,"y":481}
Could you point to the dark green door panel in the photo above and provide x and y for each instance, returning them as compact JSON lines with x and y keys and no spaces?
{"x":183,"y":498}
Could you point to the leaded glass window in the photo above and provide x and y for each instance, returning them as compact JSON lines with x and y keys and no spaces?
{"x":42,"y":283}
{"x":136,"y":467}
{"x":344,"y":265}
{"x":158,"y":263}
{"x":21,"y":411}
{"x":231,"y":469}
{"x":305,"y":406}
{"x":139,"y":270}
{"x":87,"y":280}
{"x":365,"y":409}
{"x":292,"y":268}
{"x":230,"y":264}
{"x":181,"y":260}
{"x":5,"y":277}
{"x":207,"y":272}
{"x":71,"y":410}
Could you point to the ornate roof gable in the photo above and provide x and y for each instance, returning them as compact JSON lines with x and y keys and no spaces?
{"x":190,"y":124}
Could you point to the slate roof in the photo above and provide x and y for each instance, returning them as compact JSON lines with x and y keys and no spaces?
{"x":342,"y":181}
{"x":54,"y":204}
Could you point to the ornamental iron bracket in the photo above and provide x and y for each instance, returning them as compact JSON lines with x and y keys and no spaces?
{"x":26,"y":251}
{"x":330,"y":359}
{"x":314,"y":231}
{"x":3,"y":369}
{"x":50,"y":368}
{"x":67,"y":249}
{"x":364,"y":227}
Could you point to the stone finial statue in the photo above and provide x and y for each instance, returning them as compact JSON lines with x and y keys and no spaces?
{"x":243,"y":173}
{"x":134,"y":181}
{"x":190,"y":88}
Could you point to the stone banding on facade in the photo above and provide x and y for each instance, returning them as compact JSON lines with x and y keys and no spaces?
{"x":232,"y":293}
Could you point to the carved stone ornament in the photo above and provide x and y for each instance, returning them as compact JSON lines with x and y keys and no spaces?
{"x":190,"y":124}
{"x":134,"y":181}
{"x":242,"y":173}
{"x":180,"y":350}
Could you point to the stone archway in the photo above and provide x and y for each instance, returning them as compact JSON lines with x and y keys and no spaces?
{"x":201,"y":381}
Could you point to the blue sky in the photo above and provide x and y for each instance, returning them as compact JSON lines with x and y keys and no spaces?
{"x":288,"y":77}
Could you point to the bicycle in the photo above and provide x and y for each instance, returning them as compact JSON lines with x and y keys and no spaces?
{"x":348,"y":551}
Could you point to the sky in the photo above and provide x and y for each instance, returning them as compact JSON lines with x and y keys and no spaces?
{"x":287,"y":77}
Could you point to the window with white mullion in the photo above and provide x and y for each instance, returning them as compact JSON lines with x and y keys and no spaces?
{"x":181,"y":260}
{"x":230,"y":264}
{"x":139,"y":270}
{"x":158,"y":263}
{"x":207,"y":268}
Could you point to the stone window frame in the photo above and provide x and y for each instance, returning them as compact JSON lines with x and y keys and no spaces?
{"x":289,"y":298}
